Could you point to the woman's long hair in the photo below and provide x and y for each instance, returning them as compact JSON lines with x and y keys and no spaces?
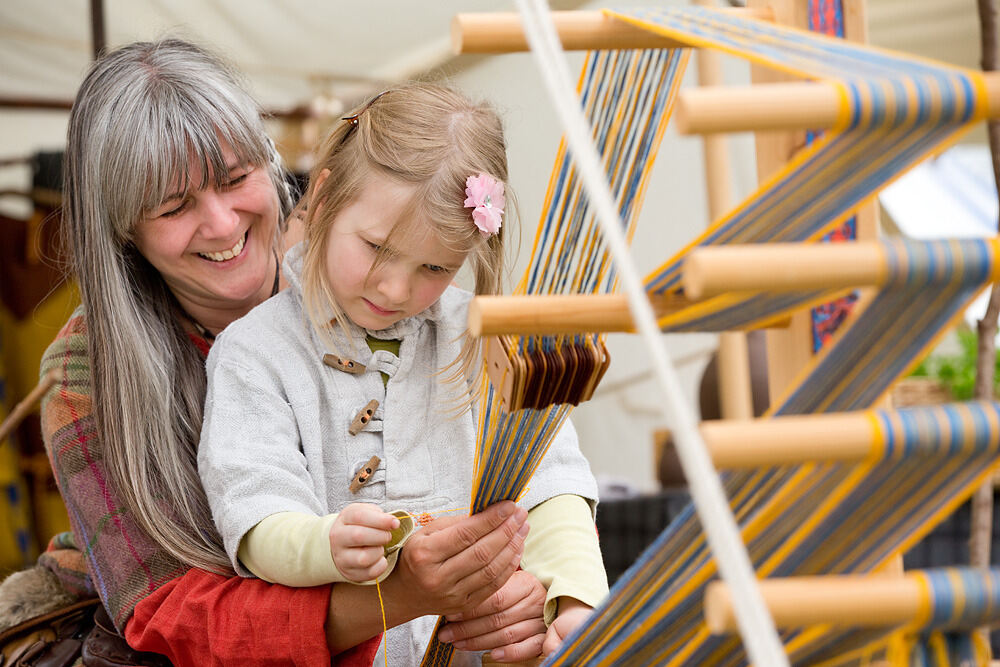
{"x":143,"y":115}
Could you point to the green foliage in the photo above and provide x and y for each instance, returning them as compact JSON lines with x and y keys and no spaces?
{"x":957,"y":372}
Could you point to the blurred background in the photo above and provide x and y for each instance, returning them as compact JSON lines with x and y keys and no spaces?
{"x":309,"y":61}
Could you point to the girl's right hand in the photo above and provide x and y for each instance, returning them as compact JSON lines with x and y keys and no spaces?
{"x":455,"y":563}
{"x":357,"y":541}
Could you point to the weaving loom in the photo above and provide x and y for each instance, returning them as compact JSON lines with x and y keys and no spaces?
{"x":800,"y":516}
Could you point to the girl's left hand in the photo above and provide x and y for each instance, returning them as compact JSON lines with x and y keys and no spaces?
{"x":508,"y":624}
{"x":572,"y":613}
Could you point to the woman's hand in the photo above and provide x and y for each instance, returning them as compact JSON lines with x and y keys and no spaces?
{"x":455,"y":563}
{"x":508,"y":623}
{"x":357,"y":541}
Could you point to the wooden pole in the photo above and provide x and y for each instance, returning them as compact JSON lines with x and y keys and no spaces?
{"x":557,"y":314}
{"x":795,"y":439}
{"x":981,"y":510}
{"x":843,"y":601}
{"x":779,"y":106}
{"x":98,"y":39}
{"x":707,"y":271}
{"x":501,"y":32}
{"x":27,"y":404}
{"x":733,"y":356}
{"x":783,"y":267}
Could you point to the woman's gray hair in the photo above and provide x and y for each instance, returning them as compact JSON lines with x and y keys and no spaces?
{"x":144,"y":116}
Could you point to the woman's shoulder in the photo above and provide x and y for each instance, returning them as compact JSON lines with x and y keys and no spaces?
{"x":68,"y":350}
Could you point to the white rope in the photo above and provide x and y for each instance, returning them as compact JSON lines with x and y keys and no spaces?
{"x":756,"y":625}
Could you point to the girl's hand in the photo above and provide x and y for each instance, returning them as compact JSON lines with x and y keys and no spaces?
{"x":572,"y":613}
{"x":455,"y":563}
{"x":508,"y":624}
{"x":357,"y":541}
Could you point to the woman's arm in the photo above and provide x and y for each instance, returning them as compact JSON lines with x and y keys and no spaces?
{"x":205,"y":618}
{"x":451,"y":565}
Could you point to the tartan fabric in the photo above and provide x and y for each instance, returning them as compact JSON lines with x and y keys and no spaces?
{"x":124,"y":563}
{"x":66,"y":562}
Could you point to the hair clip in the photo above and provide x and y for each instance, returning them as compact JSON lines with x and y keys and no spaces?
{"x":484,"y":195}
{"x":353,"y":119}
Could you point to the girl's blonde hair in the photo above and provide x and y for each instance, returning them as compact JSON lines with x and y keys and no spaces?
{"x":423,"y":134}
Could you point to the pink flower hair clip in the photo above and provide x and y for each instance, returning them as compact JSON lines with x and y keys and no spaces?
{"x":484,"y":195}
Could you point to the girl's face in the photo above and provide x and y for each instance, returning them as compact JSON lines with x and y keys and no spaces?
{"x":214,"y":247}
{"x":408,"y":282}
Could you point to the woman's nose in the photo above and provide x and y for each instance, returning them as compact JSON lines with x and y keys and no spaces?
{"x":218,"y":217}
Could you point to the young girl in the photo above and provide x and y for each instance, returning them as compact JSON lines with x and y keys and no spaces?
{"x":337,"y":399}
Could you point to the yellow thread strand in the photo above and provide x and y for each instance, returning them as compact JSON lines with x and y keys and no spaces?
{"x":385,"y":630}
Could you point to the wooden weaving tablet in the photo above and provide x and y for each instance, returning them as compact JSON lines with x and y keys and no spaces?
{"x":561,"y":370}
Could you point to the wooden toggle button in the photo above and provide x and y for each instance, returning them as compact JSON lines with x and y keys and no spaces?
{"x":341,"y":364}
{"x":362,"y":418}
{"x":362,"y":476}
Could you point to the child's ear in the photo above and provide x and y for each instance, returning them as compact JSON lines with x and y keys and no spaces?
{"x":320,"y":178}
{"x":314,"y":187}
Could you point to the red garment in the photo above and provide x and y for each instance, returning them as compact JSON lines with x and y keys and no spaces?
{"x":205,"y":619}
{"x":197,"y":619}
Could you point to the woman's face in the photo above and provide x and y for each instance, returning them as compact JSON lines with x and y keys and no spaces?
{"x":214,"y":247}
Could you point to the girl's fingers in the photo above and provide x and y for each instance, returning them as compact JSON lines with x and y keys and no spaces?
{"x":368,"y":515}
{"x":356,"y":537}
{"x":361,"y":564}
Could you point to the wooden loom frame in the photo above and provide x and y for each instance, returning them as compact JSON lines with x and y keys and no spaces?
{"x":773,"y":151}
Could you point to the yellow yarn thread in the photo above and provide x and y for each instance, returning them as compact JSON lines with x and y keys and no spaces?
{"x":385,"y":630}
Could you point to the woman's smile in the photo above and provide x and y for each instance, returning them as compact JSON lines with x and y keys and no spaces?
{"x":229,"y":254}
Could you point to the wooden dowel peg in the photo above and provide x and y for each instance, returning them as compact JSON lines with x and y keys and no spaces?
{"x":796,"y":439}
{"x":501,"y":32}
{"x":778,"y":106}
{"x":844,"y":601}
{"x":27,"y":404}
{"x":559,"y":314}
{"x":782,"y":267}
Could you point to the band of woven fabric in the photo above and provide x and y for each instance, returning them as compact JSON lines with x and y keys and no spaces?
{"x":627,"y":97}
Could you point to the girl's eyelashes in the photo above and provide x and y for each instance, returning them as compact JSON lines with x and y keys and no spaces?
{"x":434,"y":268}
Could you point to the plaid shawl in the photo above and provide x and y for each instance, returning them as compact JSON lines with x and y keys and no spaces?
{"x":124,"y":564}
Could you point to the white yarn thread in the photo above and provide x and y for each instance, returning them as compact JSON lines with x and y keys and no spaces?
{"x":755,"y":623}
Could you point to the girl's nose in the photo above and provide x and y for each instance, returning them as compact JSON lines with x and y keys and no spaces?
{"x":394,"y":284}
{"x":218,"y":217}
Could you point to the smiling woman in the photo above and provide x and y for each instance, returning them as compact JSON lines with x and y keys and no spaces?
{"x":214,"y":245}
{"x":174,"y":208}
